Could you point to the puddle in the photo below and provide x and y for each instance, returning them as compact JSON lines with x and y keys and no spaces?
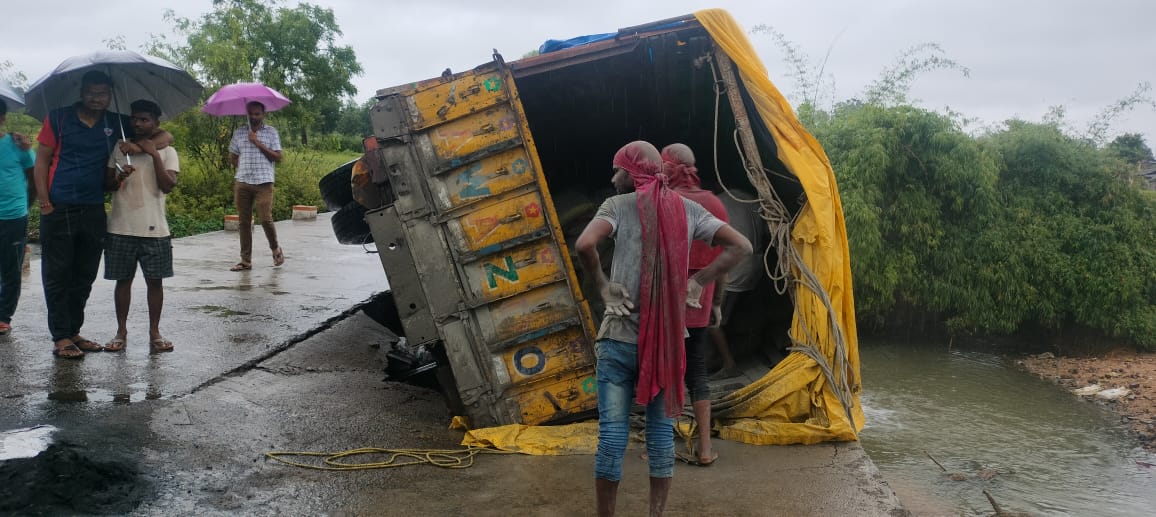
{"x":219,"y":311}
{"x":247,"y":338}
{"x":239,"y":287}
{"x":135,"y":393}
{"x":25,"y":443}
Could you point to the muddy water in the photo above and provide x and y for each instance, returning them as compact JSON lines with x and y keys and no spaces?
{"x":1034,"y":447}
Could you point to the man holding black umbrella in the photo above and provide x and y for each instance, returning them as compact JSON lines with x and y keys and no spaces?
{"x":75,"y":143}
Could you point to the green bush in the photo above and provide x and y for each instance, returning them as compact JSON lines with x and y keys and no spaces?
{"x":1021,"y":229}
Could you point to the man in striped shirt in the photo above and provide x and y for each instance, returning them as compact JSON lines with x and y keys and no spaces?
{"x":254,"y":150}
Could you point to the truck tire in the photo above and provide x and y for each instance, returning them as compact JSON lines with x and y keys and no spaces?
{"x":335,"y":187}
{"x":349,"y":225}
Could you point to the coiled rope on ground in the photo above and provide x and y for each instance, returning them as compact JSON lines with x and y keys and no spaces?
{"x":336,"y":461}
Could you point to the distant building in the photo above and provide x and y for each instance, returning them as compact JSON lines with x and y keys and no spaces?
{"x":1147,"y":170}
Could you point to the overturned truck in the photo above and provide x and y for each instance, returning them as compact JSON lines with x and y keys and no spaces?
{"x":474,"y":185}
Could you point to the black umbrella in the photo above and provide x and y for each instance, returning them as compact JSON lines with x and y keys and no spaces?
{"x":134,"y":77}
{"x":11,"y":96}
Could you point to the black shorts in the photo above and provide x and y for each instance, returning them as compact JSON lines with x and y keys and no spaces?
{"x":123,"y":252}
{"x":730,"y":302}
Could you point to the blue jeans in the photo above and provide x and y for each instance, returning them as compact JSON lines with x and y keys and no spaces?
{"x":617,"y":374}
{"x":13,"y":238}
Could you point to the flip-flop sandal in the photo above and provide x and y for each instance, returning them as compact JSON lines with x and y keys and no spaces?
{"x":241,"y":266}
{"x":56,"y":352}
{"x":694,"y":460}
{"x":278,"y":257}
{"x":116,"y":344}
{"x":88,"y":345}
{"x":160,"y":345}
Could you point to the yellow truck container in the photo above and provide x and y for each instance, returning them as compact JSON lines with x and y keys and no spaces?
{"x":475,"y":183}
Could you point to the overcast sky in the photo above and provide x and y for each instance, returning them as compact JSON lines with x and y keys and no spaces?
{"x":1024,"y":55}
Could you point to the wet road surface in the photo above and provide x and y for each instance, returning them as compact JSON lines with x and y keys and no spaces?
{"x":280,"y":359}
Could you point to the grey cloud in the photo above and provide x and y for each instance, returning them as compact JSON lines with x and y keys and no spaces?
{"x":1024,"y":55}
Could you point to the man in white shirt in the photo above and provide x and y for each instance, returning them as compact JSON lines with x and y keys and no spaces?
{"x":138,"y":231}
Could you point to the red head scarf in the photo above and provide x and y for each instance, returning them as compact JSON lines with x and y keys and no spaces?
{"x":678,"y":163}
{"x":662,"y":307}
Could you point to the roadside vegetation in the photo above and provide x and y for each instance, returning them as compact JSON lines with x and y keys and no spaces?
{"x":290,"y":48}
{"x":1020,"y":229}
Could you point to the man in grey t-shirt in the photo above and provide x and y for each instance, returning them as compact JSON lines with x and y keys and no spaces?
{"x":618,"y":350}
{"x":621,"y":212}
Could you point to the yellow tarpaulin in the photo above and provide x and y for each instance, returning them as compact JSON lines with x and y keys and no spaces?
{"x":798,"y":402}
{"x":558,"y":440}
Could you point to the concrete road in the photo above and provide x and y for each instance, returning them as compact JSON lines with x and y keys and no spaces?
{"x":279,"y":359}
{"x":217,"y":319}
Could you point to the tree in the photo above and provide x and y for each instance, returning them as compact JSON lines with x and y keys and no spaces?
{"x":293,"y":50}
{"x":1131,"y":148}
{"x":1097,"y":130}
{"x":353,"y":119}
{"x":916,"y":190}
{"x":1077,"y":238}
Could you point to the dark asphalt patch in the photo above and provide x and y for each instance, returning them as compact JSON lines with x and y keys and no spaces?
{"x":66,"y":479}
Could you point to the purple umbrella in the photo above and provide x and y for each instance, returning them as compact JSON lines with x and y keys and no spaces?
{"x":231,"y":99}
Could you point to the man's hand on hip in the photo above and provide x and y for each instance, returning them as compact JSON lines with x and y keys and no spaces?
{"x":617,"y":300}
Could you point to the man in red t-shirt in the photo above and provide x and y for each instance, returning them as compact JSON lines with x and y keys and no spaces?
{"x":678,"y":164}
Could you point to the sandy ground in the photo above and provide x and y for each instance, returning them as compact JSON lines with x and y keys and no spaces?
{"x":1127,"y":372}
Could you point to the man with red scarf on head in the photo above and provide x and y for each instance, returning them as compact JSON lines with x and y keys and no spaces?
{"x":640,"y":348}
{"x":678,"y":164}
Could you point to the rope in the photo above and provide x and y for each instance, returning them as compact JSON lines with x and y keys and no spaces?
{"x":779,"y":223}
{"x":332,"y":461}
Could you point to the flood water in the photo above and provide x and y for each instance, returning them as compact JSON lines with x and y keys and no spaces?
{"x":1045,"y":451}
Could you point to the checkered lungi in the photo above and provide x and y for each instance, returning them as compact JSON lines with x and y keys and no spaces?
{"x":123,"y":252}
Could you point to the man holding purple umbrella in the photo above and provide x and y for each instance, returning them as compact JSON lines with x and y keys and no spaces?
{"x":254,"y":150}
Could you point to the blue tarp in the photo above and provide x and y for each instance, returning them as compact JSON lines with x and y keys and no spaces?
{"x":554,"y":45}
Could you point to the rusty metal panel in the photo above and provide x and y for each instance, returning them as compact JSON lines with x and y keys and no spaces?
{"x":388,"y":118}
{"x":455,"y":139}
{"x":545,"y":357}
{"x":523,"y":316}
{"x":504,"y":274}
{"x":494,"y":224}
{"x":435,"y":266}
{"x":472,"y":382}
{"x":481,"y":180}
{"x":404,"y":170}
{"x":570,"y":395}
{"x":466,"y":94}
{"x":404,"y":281}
